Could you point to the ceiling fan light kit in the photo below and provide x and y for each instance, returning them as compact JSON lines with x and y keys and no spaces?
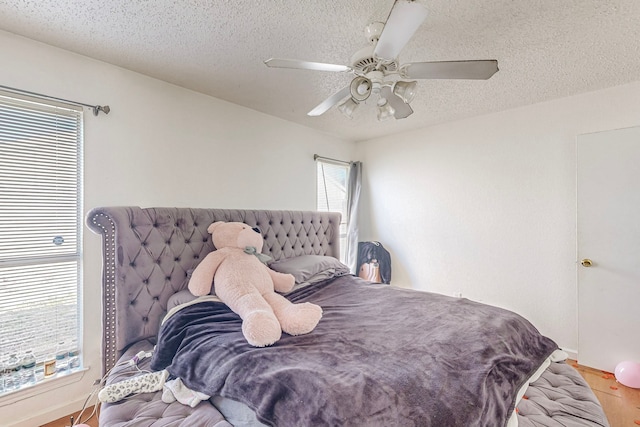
{"x":405,"y":90}
{"x":360,"y":88}
{"x":347,"y":107}
{"x":385,"y":110}
{"x":377,"y":70}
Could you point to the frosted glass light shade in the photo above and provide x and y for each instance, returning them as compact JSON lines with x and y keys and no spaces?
{"x":385,"y":110}
{"x":360,"y":88}
{"x":405,"y":90}
{"x":348,"y":107}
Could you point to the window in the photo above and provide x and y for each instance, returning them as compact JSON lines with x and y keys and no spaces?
{"x":40,"y":236}
{"x":332,"y":185}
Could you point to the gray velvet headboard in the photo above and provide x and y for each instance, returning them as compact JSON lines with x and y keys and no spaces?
{"x":147,"y":253}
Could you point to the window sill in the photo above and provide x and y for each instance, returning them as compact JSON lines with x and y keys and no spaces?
{"x":44,"y":386}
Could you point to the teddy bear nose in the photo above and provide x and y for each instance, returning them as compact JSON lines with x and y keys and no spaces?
{"x":256,"y":229}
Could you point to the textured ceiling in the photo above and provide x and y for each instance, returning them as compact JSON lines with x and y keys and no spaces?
{"x":545,"y":49}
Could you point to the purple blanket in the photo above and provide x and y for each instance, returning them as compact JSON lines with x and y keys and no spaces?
{"x":380,"y":356}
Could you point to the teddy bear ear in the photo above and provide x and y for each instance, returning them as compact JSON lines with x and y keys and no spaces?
{"x":213,"y":226}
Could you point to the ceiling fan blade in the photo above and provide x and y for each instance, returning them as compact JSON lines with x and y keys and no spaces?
{"x":304,"y":65}
{"x":405,"y":18}
{"x":325,"y":105}
{"x":401,"y":108}
{"x":480,"y":70}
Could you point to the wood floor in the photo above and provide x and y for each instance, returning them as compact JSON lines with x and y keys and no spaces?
{"x":620,"y":403}
{"x":66,"y":421}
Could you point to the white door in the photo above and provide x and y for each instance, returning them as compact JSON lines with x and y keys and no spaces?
{"x":609,"y":236}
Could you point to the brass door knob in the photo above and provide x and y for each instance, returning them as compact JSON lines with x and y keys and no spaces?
{"x":586,"y":262}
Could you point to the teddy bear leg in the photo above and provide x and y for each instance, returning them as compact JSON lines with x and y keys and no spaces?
{"x":260,"y":326}
{"x":295,"y":319}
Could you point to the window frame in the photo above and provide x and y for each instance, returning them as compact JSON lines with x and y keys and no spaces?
{"x":344,"y":210}
{"x":47,"y":109}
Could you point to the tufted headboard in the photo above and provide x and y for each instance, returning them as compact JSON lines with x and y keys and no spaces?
{"x":148,"y":252}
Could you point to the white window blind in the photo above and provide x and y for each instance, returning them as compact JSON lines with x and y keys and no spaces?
{"x":332,"y":185}
{"x":40,"y":225}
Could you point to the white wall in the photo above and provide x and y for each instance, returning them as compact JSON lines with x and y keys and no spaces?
{"x":161,"y":145}
{"x":487,"y":206}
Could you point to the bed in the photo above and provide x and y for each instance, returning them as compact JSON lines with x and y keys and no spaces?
{"x":381,"y":355}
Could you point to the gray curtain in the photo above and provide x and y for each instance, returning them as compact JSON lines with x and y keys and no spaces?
{"x":353,"y":199}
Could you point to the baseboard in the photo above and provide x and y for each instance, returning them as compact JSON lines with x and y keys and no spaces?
{"x":48,"y":416}
{"x":573,"y":354}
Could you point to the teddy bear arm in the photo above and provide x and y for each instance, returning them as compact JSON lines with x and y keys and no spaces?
{"x":202,"y":277}
{"x":281,"y":282}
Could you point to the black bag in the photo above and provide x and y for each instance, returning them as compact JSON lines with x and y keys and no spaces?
{"x":374,"y":262}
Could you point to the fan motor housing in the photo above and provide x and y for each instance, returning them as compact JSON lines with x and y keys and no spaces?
{"x":363,"y":61}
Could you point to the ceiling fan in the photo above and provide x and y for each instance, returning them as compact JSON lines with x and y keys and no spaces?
{"x":378,"y":72}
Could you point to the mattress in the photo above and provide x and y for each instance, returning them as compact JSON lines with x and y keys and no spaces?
{"x":559,"y":398}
